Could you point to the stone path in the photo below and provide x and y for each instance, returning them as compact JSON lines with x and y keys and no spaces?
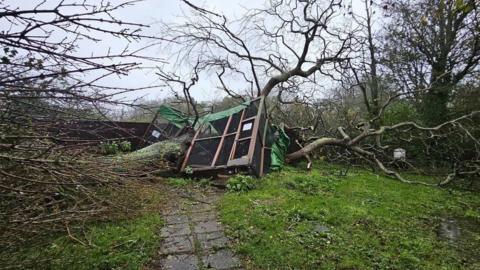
{"x":193,"y":238}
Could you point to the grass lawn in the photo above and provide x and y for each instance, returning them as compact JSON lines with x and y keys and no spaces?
{"x":318,"y":220}
{"x":122,"y":243}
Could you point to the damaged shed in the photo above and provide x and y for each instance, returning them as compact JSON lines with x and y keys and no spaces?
{"x":238,"y":139}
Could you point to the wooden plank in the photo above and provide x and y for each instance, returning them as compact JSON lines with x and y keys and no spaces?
{"x":256,"y":125}
{"x":187,"y":155}
{"x":234,"y":147}
{"x":209,"y":138}
{"x":244,"y":139}
{"x":248,"y":119}
{"x":262,"y":157}
{"x":220,"y":144}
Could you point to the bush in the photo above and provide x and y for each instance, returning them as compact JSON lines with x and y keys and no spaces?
{"x":110,"y":148}
{"x":240,"y":183}
{"x":125,"y":146}
{"x":113,"y":148}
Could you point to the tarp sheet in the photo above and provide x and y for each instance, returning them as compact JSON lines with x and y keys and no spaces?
{"x":279,"y":148}
{"x":180,"y":120}
{"x":173,"y":116}
{"x":223,"y":114}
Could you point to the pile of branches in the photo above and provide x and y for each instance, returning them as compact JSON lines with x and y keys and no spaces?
{"x":449,"y":151}
{"x":49,"y":182}
{"x":47,"y":186}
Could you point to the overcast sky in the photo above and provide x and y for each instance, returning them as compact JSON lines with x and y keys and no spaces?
{"x":151,"y":12}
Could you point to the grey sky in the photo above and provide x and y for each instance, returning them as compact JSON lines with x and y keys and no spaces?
{"x":150,"y":12}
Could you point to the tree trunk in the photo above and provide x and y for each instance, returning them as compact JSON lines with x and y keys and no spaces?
{"x":435,"y":101}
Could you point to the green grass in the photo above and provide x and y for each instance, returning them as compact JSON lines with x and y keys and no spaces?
{"x":122,"y":241}
{"x":188,"y":182}
{"x":178,"y":181}
{"x":124,"y":245}
{"x":127,"y":244}
{"x":319,"y":220}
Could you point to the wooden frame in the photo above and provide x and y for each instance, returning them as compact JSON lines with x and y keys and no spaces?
{"x":245,"y":161}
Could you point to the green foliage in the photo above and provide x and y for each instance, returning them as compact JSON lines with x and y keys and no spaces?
{"x":114,"y":148}
{"x":179,"y":182}
{"x":462,"y":7}
{"x":205,"y":182}
{"x":189,"y":170}
{"x":125,"y":146}
{"x":154,"y":151}
{"x":241,"y":183}
{"x":126,"y":245}
{"x":294,"y":220}
{"x":470,"y":213}
{"x":110,"y":148}
{"x":400,"y":112}
{"x":119,"y":239}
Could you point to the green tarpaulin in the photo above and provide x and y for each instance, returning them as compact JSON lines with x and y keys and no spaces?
{"x":279,"y":148}
{"x":173,"y":116}
{"x":180,"y":120}
{"x":223,"y":114}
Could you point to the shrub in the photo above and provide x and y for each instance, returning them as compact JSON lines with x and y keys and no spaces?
{"x":125,"y":146}
{"x":189,"y":170}
{"x":240,"y":183}
{"x":113,"y":148}
{"x":110,"y":148}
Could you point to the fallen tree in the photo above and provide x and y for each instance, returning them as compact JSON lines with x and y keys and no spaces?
{"x":355,"y":144}
{"x":295,"y":46}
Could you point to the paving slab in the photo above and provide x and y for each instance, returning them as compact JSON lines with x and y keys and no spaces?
{"x":207,"y":226}
{"x":175,"y":230}
{"x":180,"y":262}
{"x":222,"y":259}
{"x":201,"y":207}
{"x":193,"y":237}
{"x":203,"y":216}
{"x":213,"y":240}
{"x":176,"y":219}
{"x":175,"y":211}
{"x":177,"y":244}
